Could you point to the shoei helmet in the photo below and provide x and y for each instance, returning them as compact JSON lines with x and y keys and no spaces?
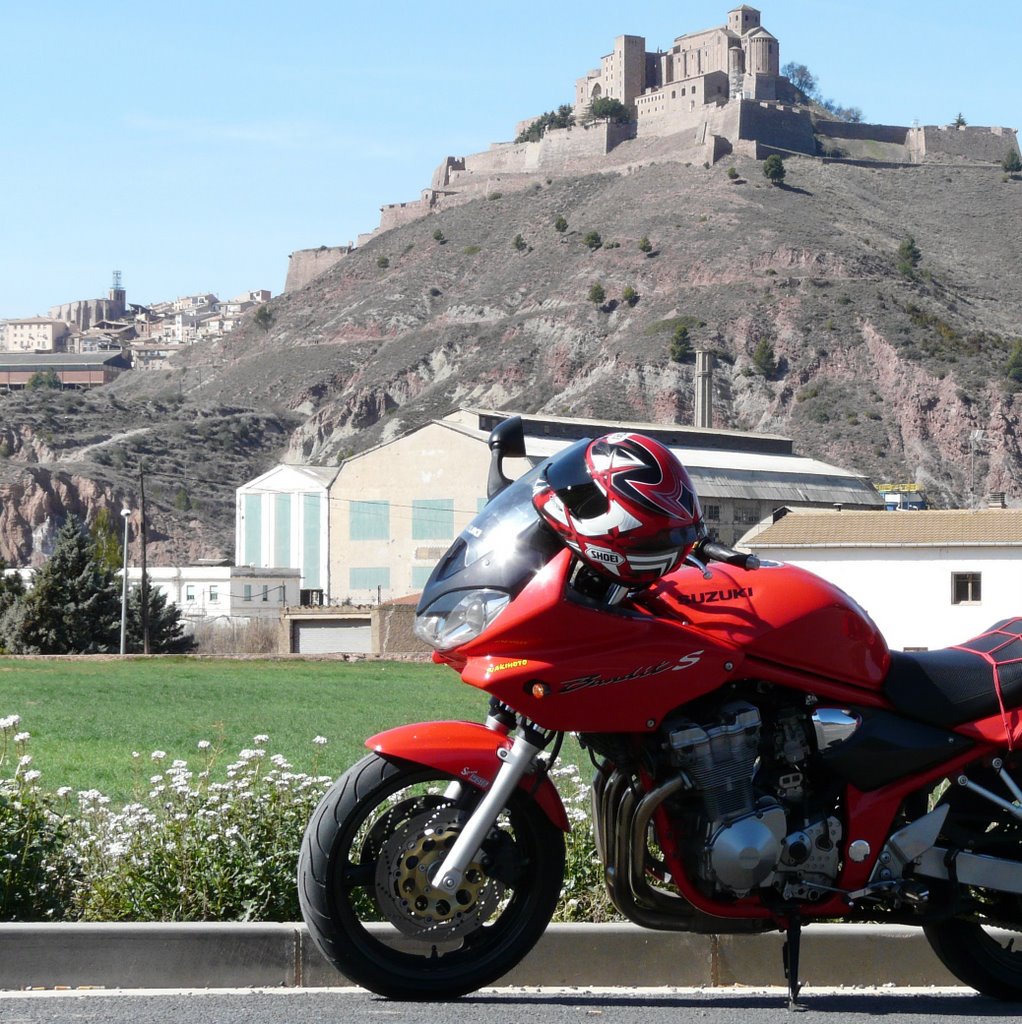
{"x":624,"y":504}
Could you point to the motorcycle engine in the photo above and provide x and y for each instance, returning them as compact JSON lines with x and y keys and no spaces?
{"x":753,"y":822}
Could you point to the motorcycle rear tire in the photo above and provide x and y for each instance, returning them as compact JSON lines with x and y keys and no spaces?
{"x":370,"y":809}
{"x":975,"y":956}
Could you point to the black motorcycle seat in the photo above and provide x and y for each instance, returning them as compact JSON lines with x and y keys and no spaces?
{"x":961,"y":683}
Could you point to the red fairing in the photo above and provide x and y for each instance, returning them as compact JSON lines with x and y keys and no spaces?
{"x":572,"y":667}
{"x":467,"y":751}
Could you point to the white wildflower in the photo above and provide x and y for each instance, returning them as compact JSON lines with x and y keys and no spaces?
{"x":31,"y":776}
{"x":25,"y":760}
{"x":22,"y":737}
{"x":204,"y":744}
{"x":260,"y":739}
{"x":320,"y":741}
{"x":10,"y":722}
{"x":64,"y":791}
{"x":158,"y":755}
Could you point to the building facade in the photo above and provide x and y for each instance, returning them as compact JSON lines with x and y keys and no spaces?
{"x":282,"y":519}
{"x":34,"y":334}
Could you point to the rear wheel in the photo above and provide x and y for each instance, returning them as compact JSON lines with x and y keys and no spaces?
{"x":978,"y":944}
{"x":369,"y":853}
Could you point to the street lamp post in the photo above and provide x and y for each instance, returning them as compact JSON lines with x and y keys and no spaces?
{"x":126,"y":513}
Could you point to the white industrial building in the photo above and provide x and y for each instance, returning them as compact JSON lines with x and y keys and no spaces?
{"x":393,"y":510}
{"x":928,"y":579}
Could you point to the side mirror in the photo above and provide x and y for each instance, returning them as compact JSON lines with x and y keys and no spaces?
{"x":507,"y":441}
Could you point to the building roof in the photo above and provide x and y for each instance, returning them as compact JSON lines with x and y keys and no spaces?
{"x":722,"y":463}
{"x":819,"y":528}
{"x":59,"y":360}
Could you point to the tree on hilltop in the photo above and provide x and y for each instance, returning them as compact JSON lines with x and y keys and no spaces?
{"x":959,"y":121}
{"x":1012,"y":162}
{"x":562,"y":117}
{"x":606,"y":108}
{"x":801,"y":77}
{"x":773,"y":169}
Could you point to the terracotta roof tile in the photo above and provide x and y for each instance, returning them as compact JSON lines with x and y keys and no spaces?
{"x":802,"y":528}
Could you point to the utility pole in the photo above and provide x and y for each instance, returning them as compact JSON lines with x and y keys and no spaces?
{"x":143,"y":537}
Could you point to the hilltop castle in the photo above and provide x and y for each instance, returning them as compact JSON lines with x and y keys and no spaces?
{"x":713,"y":93}
{"x":738,"y":60}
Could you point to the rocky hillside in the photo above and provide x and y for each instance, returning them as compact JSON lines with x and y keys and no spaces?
{"x":489,"y":305}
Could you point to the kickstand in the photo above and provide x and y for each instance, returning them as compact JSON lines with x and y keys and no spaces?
{"x":790,"y":955}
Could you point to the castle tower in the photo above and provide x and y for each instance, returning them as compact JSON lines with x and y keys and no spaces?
{"x":117,"y":296}
{"x":762,"y":54}
{"x":743,"y":19}
{"x":629,"y":74}
{"x":735,"y":70}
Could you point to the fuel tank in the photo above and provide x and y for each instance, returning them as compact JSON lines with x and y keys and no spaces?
{"x":781,"y":614}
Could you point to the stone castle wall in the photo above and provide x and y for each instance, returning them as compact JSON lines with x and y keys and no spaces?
{"x":863,"y":132}
{"x":775,"y":126}
{"x":967,"y":143}
{"x":306,"y":265}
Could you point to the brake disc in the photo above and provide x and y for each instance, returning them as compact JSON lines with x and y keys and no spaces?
{"x":408,"y":862}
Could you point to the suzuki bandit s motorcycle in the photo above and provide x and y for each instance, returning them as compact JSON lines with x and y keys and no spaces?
{"x":762,"y":760}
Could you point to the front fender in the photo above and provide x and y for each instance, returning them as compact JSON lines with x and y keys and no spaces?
{"x":468,"y":751}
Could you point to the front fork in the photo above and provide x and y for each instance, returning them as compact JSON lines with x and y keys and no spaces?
{"x":518,"y":760}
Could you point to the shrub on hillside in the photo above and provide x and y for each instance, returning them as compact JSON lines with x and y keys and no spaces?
{"x":592,"y":240}
{"x":773,"y":169}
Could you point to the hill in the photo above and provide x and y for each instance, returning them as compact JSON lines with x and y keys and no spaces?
{"x":882,"y":371}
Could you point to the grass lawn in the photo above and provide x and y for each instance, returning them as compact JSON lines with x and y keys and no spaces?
{"x":87,"y":715}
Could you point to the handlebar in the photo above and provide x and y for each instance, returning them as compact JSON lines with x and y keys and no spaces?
{"x":711,"y":551}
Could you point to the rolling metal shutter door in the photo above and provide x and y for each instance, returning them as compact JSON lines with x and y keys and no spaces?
{"x":332,"y":638}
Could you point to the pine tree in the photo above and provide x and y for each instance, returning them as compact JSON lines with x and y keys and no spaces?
{"x":73,"y":606}
{"x":166,"y":630}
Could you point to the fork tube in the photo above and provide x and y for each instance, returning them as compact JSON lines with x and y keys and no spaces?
{"x":517,"y":762}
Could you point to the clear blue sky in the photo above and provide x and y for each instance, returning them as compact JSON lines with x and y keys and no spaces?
{"x":194,"y":145}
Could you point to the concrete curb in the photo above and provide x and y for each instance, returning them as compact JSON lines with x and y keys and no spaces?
{"x":169,"y":956}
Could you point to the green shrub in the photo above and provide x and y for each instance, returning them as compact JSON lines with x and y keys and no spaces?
{"x":909,"y":256}
{"x":592,"y":240}
{"x":560,"y":225}
{"x":597,"y":294}
{"x":519,"y":243}
{"x":645,"y":245}
{"x":629,"y":295}
{"x":383,"y":262}
{"x":732,"y":173}
{"x":681,"y":349}
{"x":773,"y":169}
{"x":763,"y":358}
{"x":1012,"y":162}
{"x":471,"y":250}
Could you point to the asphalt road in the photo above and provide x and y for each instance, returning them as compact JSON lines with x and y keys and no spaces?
{"x":621,"y":1006}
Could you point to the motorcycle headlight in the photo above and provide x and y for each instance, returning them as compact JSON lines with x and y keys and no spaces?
{"x":457,"y":618}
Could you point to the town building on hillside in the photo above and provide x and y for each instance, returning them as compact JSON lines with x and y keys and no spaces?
{"x":86,"y":370}
{"x":85,"y":313}
{"x":395,"y":509}
{"x":929,"y":579}
{"x":34,"y":334}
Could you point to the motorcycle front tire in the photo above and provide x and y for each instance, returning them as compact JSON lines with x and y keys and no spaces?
{"x":384,"y":810}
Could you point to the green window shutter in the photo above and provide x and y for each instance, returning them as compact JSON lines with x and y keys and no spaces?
{"x":312,"y":547}
{"x":369,"y":520}
{"x":282,"y":530}
{"x":369,"y":578}
{"x":432,"y":518}
{"x":420,"y":576}
{"x":253,"y":510}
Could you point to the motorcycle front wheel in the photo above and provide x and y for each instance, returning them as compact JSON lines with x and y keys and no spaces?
{"x":369,"y":853}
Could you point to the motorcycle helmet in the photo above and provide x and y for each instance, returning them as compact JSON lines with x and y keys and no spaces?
{"x":624,"y":504}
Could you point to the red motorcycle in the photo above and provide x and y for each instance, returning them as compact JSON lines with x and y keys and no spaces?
{"x":762,"y":760}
